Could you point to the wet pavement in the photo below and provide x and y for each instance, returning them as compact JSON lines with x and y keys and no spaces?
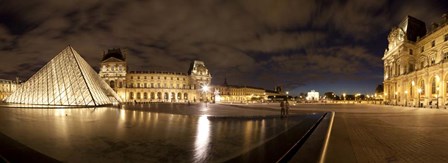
{"x":378,"y":133}
{"x":146,"y":132}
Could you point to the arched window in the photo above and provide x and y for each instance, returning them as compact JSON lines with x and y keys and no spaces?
{"x":152,"y":96}
{"x":131,"y":95}
{"x":159,"y":95}
{"x":166,"y":95}
{"x":145,"y":95}
{"x":179,"y":96}
{"x":138,"y":95}
{"x":112,"y":84}
{"x":186,"y":96}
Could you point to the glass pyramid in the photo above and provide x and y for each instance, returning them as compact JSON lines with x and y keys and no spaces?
{"x":67,"y":80}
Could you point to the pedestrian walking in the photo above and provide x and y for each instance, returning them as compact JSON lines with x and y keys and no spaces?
{"x":286,"y":108}
{"x":282,"y":109}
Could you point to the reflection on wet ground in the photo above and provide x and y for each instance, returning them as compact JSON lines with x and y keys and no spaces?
{"x":142,"y":133}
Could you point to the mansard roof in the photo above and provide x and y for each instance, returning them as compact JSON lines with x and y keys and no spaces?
{"x":114,"y":53}
{"x":413,"y":27}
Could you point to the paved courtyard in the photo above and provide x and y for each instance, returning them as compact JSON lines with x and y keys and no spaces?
{"x":378,"y":133}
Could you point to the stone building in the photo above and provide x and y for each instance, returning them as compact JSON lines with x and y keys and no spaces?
{"x":415,"y":64}
{"x":236,"y":93}
{"x":7,"y":87}
{"x":154,"y":86}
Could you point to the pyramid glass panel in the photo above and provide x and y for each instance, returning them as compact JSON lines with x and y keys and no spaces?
{"x":66,"y":80}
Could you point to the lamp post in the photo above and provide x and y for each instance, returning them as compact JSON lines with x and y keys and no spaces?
{"x":205,"y":89}
{"x":396,"y":99}
{"x":406,"y":98}
{"x":419,"y":92}
{"x":264,"y":97}
{"x":412,"y":90}
{"x":437,"y":97}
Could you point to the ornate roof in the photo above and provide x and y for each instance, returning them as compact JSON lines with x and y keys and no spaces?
{"x":114,"y":53}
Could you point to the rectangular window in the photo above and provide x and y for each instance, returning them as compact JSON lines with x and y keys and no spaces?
{"x":433,"y":43}
{"x":411,"y":67}
{"x":410,"y":51}
{"x":152,"y":85}
{"x":145,"y":85}
{"x":433,"y":61}
{"x":422,"y":49}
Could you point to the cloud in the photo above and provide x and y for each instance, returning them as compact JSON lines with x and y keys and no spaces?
{"x":252,"y":42}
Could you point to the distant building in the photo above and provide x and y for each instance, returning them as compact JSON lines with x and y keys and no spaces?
{"x":235,"y":93}
{"x":7,"y":87}
{"x":154,"y":86}
{"x":415,"y":64}
{"x":312,"y":96}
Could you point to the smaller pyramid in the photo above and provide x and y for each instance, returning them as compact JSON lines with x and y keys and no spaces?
{"x":67,"y":80}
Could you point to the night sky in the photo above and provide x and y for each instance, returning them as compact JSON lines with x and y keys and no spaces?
{"x":325,"y":45}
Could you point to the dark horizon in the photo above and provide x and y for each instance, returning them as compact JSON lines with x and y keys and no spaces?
{"x":322,"y":45}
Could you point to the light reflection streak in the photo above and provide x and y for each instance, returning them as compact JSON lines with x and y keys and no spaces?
{"x":123,"y":114}
{"x":201,"y":143}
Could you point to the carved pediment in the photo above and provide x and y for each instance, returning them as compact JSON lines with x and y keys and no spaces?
{"x":395,"y":37}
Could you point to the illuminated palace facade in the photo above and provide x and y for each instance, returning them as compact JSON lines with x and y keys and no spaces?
{"x":415,"y":64}
{"x":234,"y":93}
{"x":154,"y":86}
{"x":7,"y":87}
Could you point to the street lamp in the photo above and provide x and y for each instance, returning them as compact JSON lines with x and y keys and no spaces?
{"x":406,"y":98}
{"x":205,"y":89}
{"x":437,"y":97}
{"x":419,"y":92}
{"x":396,"y":93}
{"x":343,"y":96}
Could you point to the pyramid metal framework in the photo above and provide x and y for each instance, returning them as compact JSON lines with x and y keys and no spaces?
{"x":67,"y":80}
